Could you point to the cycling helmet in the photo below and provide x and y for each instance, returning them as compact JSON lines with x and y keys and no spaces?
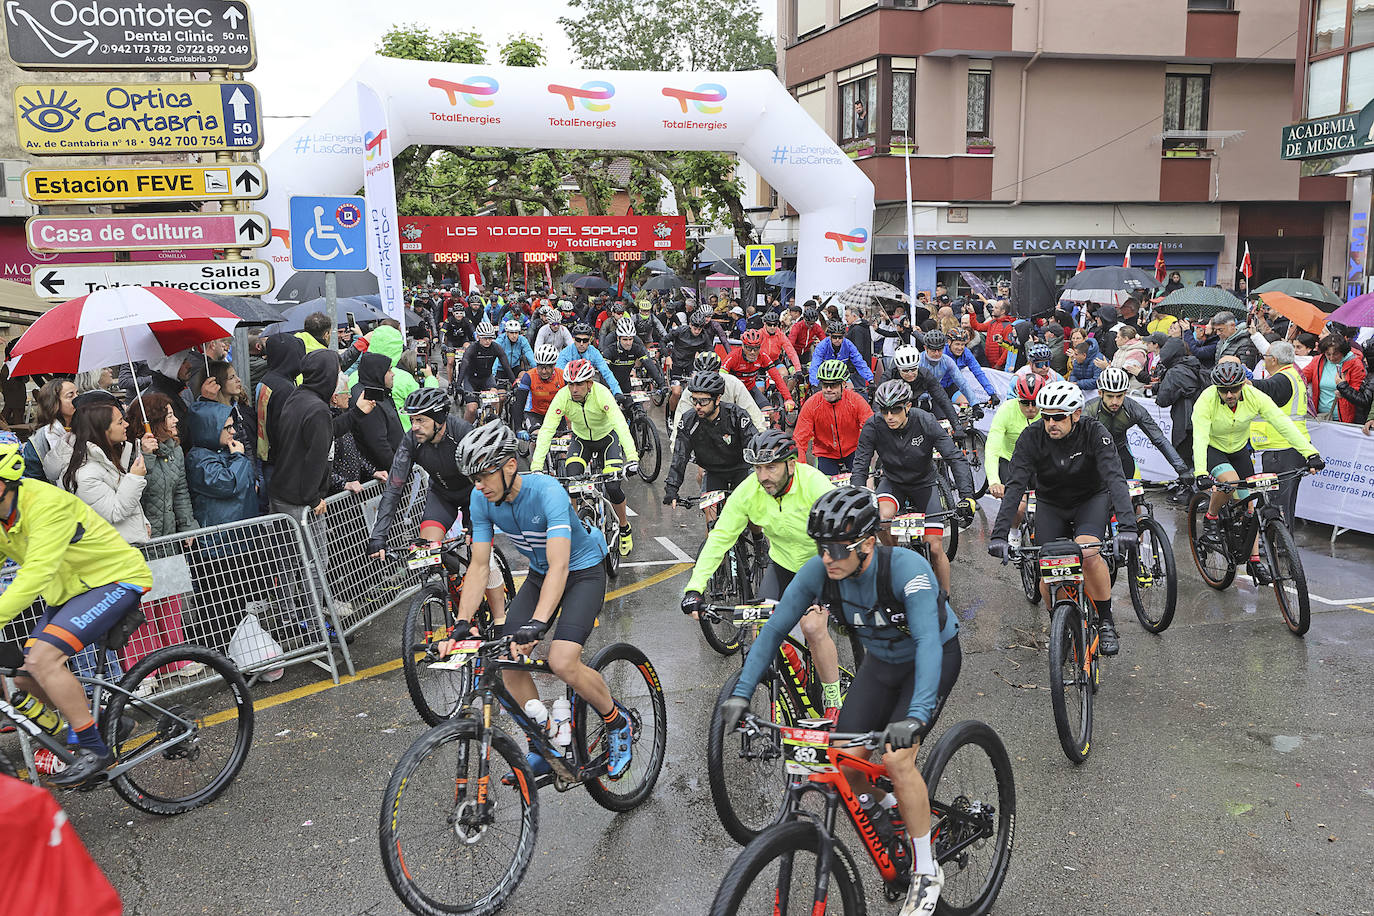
{"x":1038,"y":353}
{"x":1060,"y":397}
{"x":833,"y":370}
{"x":564,"y":305}
{"x":1113,"y":380}
{"x":579,"y":370}
{"x":485,"y":447}
{"x":699,"y":318}
{"x":1028,"y":386}
{"x":11,"y":461}
{"x":511,"y":325}
{"x":707,"y":361}
{"x":936,"y":340}
{"x":645,"y":305}
{"x":706,"y":382}
{"x":833,"y":328}
{"x":582,"y":329}
{"x":1227,"y":375}
{"x":549,"y":313}
{"x":907,"y":357}
{"x":546,"y":355}
{"x":772,"y":318}
{"x":618,"y":306}
{"x":891,"y":393}
{"x":427,"y":402}
{"x":957,"y":334}
{"x":751,"y":338}
{"x":809,"y":315}
{"x":844,"y":514}
{"x":485,"y":329}
{"x":770,"y":446}
{"x":626,"y":327}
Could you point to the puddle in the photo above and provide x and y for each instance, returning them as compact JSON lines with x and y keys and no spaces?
{"x":1285,"y":743}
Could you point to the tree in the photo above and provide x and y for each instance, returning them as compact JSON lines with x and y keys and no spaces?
{"x":669,"y":35}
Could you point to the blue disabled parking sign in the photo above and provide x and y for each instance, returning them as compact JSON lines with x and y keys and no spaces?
{"x":328,"y":233}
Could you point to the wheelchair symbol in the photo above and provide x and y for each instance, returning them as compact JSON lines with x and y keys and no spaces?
{"x":323,"y":232}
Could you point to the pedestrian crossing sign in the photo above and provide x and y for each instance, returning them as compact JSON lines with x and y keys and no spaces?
{"x":760,"y":260}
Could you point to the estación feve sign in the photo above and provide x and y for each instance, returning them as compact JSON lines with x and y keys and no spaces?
{"x":470,"y":234}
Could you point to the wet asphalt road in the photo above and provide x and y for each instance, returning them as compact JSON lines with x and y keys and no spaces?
{"x":1232,"y":767}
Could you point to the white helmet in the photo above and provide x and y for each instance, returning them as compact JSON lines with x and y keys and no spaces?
{"x":907,"y":357}
{"x":1113,"y":380}
{"x":545,"y":355}
{"x":484,"y":329}
{"x":625,"y":327}
{"x":1060,"y":397}
{"x":512,"y":325}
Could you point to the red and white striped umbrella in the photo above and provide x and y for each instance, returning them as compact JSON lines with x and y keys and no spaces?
{"x":117,"y":325}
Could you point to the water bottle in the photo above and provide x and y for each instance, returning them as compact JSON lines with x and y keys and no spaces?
{"x":878,"y":817}
{"x":560,"y":725}
{"x":901,"y":851}
{"x":45,"y":717}
{"x":538,"y":713}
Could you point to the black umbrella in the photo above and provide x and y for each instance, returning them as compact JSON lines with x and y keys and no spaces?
{"x":783,"y":279}
{"x":732,"y":267}
{"x":305,"y":285}
{"x":293,"y":319}
{"x":1124,"y":278}
{"x":1306,"y":290}
{"x":662,"y":282}
{"x":657,"y":266}
{"x":1198,"y":303}
{"x":252,"y":311}
{"x":571,"y":278}
{"x":591,"y":282}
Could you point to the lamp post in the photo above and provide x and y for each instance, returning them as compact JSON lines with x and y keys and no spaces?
{"x":758,"y":219}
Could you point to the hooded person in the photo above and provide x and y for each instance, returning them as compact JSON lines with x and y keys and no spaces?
{"x":1107,"y":319}
{"x":169,"y":375}
{"x":387,"y":341}
{"x":302,"y":438}
{"x":284,"y":353}
{"x":1178,"y":381}
{"x":218,"y":473}
{"x":378,"y":433}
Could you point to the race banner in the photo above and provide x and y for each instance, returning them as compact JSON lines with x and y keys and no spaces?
{"x":543,"y":233}
{"x":379,"y":187}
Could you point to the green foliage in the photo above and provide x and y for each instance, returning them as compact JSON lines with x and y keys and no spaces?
{"x":414,"y":42}
{"x":669,"y":35}
{"x":523,"y":51}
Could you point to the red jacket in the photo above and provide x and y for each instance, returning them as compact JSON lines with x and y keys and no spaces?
{"x":834,"y":427}
{"x":776,"y":346}
{"x":748,"y":372}
{"x":997,"y":354}
{"x":1352,"y":371}
{"x":803,"y":336}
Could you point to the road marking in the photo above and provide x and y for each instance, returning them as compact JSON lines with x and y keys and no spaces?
{"x":675,"y":550}
{"x":1365,"y":609}
{"x":630,"y":512}
{"x":678,"y":556}
{"x":1333,"y":602}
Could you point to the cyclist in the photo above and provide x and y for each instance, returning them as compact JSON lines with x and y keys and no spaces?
{"x":906,"y":439}
{"x":1038,"y":357}
{"x":626,"y":352}
{"x":805,"y":334}
{"x":832,"y":419}
{"x":1010,"y":420}
{"x":458,"y":333}
{"x":1078,"y":484}
{"x":647,"y":326}
{"x":1285,"y":386}
{"x":748,"y":362}
{"x":581,"y":348}
{"x":715,"y":434}
{"x":957,"y":350}
{"x":944,"y":369}
{"x":476,"y":369}
{"x":775,"y":499}
{"x":432,"y":443}
{"x":1114,"y":410}
{"x":684,"y":343}
{"x":89,"y":578}
{"x":566,"y":578}
{"x":926,"y":391}
{"x":600,"y":434}
{"x":909,"y":669}
{"x":536,"y":389}
{"x":735,"y":393}
{"x":1222,"y":419}
{"x":776,"y":346}
{"x":838,"y":347}
{"x":518,"y":351}
{"x":553,"y":332}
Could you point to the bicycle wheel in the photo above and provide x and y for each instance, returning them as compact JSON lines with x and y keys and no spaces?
{"x":634,"y":685}
{"x":969,"y":776}
{"x":746,"y":771}
{"x":209,"y":716}
{"x":442,"y":851}
{"x":1030,"y":577}
{"x":977,"y":462}
{"x":436,"y":692}
{"x":1153,"y":579}
{"x":1290,"y":581}
{"x":776,"y":873}
{"x":650,"y":448}
{"x":723,"y":588}
{"x":1071,"y":690}
{"x":947,"y":502}
{"x":850,"y":650}
{"x":1213,"y":561}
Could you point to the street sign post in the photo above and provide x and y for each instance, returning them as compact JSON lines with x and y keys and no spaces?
{"x":90,"y":119}
{"x":327,"y":233}
{"x":147,"y":231}
{"x":145,"y":184}
{"x":229,"y":278}
{"x":167,"y":35}
{"x":760,"y":260}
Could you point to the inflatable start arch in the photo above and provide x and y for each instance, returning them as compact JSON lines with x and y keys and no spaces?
{"x":747,"y":113}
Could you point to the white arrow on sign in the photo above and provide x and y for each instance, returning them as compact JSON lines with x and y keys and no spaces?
{"x":230,"y":278}
{"x":48,"y":36}
{"x":233,"y":16}
{"x":239,"y":102}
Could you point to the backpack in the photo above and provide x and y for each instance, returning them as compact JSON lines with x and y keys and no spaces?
{"x":888,"y":601}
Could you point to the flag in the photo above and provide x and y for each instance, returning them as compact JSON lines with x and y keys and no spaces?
{"x":1082,"y":262}
{"x":379,"y":187}
{"x":508,"y":273}
{"x":1160,"y":272}
{"x":1126,"y":261}
{"x":620,"y":283}
{"x":548,"y":275}
{"x":1245,"y":268}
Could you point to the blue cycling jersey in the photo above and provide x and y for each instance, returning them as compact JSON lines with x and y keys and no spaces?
{"x":593,"y":355}
{"x":947,"y":372}
{"x":848,"y":353}
{"x":539,"y":512}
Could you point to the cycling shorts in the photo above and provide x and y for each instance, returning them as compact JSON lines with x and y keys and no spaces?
{"x":471,"y":387}
{"x":832,"y":466}
{"x":440,"y":510}
{"x":1242,"y":462}
{"x":775,"y":581}
{"x":583,"y":596}
{"x":85,"y":618}
{"x":597,"y":454}
{"x":724,"y":480}
{"x":1087,"y":518}
{"x":924,"y":498}
{"x":881,"y":692}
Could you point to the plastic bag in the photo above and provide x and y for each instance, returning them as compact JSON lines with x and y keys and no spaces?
{"x":251,"y":645}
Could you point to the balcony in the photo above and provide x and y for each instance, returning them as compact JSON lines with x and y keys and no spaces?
{"x":1211,"y":33}
{"x":953,"y":178}
{"x":1185,"y":179}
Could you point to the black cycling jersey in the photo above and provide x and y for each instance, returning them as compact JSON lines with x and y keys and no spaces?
{"x":1067,"y":472}
{"x":458,"y":330}
{"x":1133,"y":414}
{"x":683,"y":345}
{"x":926,"y":385}
{"x":908,"y":452}
{"x":478,"y":364}
{"x":440,"y":460}
{"x":623,"y":362}
{"x":718,"y":445}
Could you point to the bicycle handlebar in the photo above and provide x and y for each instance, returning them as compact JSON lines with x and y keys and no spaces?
{"x":401,"y":553}
{"x":753,"y":724}
{"x":1231,"y":486}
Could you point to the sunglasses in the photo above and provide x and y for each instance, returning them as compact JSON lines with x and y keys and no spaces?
{"x":703,"y":402}
{"x":837,"y":551}
{"x":1053,"y":417}
{"x":895,"y":409}
{"x":1026,"y":403}
{"x":1230,"y":389}
{"x":1040,"y":363}
{"x":585,"y":340}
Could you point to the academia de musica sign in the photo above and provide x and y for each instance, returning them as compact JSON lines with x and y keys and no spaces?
{"x":1338,"y":135}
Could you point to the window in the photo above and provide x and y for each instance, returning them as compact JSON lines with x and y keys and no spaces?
{"x":1185,"y":101}
{"x":1211,"y":4}
{"x":979,"y":124}
{"x":857,"y":100}
{"x":1359,"y":87}
{"x":1328,"y":32}
{"x":810,"y":16}
{"x":1324,"y":87}
{"x":1362,"y":23}
{"x":903,"y":92}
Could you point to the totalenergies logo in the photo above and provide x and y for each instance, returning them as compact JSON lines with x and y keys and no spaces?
{"x":705,"y":97}
{"x":475,"y":90}
{"x":372,"y":143}
{"x":856,"y":239}
{"x":592,"y":94}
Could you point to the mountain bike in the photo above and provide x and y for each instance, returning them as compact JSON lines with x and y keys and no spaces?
{"x":643,"y":431}
{"x":1242,"y":520}
{"x":974,"y":445}
{"x":743,"y":775}
{"x":461,"y":811}
{"x":1152,"y":578}
{"x":947,"y":502}
{"x":437,"y":690}
{"x":178,"y":746}
{"x":738,"y":578}
{"x":799,"y":865}
{"x":1027,"y":563}
{"x":588,"y":492}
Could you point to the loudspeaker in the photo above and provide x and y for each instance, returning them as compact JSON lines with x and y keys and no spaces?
{"x":1033,"y":291}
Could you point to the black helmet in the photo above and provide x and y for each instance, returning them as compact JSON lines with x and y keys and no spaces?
{"x":809,"y":315}
{"x":699,"y":318}
{"x":835,"y":327}
{"x":582,"y":329}
{"x":427,"y":402}
{"x":706,"y":361}
{"x":771,"y":318}
{"x":936,"y":340}
{"x":891,"y":393}
{"x":1228,"y":375}
{"x":844,"y":514}
{"x":485,"y":447}
{"x":770,"y":446}
{"x":704,"y":382}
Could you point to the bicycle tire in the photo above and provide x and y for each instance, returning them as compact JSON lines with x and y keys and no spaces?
{"x":785,"y":841}
{"x":744,"y":826}
{"x":1030,"y":577}
{"x":978,"y":445}
{"x":723,"y":588}
{"x":1217,"y":577}
{"x":1155,"y":541}
{"x":982,"y":735}
{"x":127,"y":732}
{"x":948,"y":502}
{"x":406,"y":870}
{"x":650,"y":447}
{"x":1067,"y":651}
{"x":437,"y":696}
{"x":1296,"y":608}
{"x":589,"y":733}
